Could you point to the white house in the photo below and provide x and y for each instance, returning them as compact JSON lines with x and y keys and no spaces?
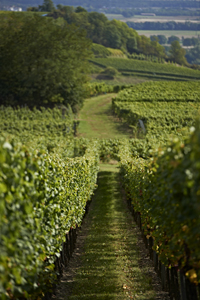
{"x":13,"y":8}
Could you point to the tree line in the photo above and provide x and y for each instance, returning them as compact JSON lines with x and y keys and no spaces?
{"x":162,"y":39}
{"x":114,"y":34}
{"x":192,"y":55}
{"x":171,"y":25}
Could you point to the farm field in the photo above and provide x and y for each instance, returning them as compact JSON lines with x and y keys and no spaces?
{"x":168,"y":33}
{"x":141,"y":19}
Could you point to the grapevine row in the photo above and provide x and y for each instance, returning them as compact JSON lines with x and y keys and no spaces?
{"x":42,"y":196}
{"x":165,"y":192}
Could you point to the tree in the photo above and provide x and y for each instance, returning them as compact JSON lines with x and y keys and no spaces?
{"x":191,"y":42}
{"x":80,"y":9}
{"x":178,"y":53}
{"x":154,"y":38}
{"x":32,"y":8}
{"x":162,"y":39}
{"x":110,"y":72}
{"x":124,"y":31}
{"x":157,"y":49}
{"x":172,"y":39}
{"x":59,"y":6}
{"x":41,"y":62}
{"x":187,"y":42}
{"x":47,"y":6}
{"x":112,"y":37}
{"x":131,"y":45}
{"x":97,"y":25}
{"x":127,"y":14}
{"x":193,"y":55}
{"x":148,"y":47}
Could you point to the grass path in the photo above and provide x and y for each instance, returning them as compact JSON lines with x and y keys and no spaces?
{"x":109,"y":268}
{"x":109,"y":262}
{"x":97,"y":121}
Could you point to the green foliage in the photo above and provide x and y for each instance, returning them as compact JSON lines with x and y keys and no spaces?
{"x":131,"y":45}
{"x":44,"y":122}
{"x":110,"y":72}
{"x":133,"y":65}
{"x":159,"y":118}
{"x":33,"y":9}
{"x":148,"y":47}
{"x":80,"y":9}
{"x":47,"y":6}
{"x":42,"y":197}
{"x":193,"y":56}
{"x":166,"y":109}
{"x":100,"y":51}
{"x":190,"y":41}
{"x":151,"y":58}
{"x":96,"y":88}
{"x":162,"y":39}
{"x":42,"y":62}
{"x":161,"y":91}
{"x":178,"y":53}
{"x":169,"y":25}
{"x":173,"y":38}
{"x":43,"y":193}
{"x":114,"y":34}
{"x":165,"y":190}
{"x":117,"y":52}
{"x":47,"y":129}
{"x":114,"y":148}
{"x":112,"y":37}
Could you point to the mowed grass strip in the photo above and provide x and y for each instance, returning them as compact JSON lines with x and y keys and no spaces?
{"x":109,"y":265}
{"x":96,"y":120}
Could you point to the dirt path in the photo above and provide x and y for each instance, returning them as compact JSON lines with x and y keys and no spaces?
{"x":110,"y":261}
{"x":96,"y":120}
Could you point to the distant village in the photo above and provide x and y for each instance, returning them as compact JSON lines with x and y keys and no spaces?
{"x":12,"y":8}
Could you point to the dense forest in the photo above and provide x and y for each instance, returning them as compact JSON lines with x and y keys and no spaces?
{"x":42,"y":63}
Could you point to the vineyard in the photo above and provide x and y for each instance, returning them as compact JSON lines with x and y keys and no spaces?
{"x":134,"y":67}
{"x":43,"y":195}
{"x":47,"y":177}
{"x":166,"y":109}
{"x":165,"y":193}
